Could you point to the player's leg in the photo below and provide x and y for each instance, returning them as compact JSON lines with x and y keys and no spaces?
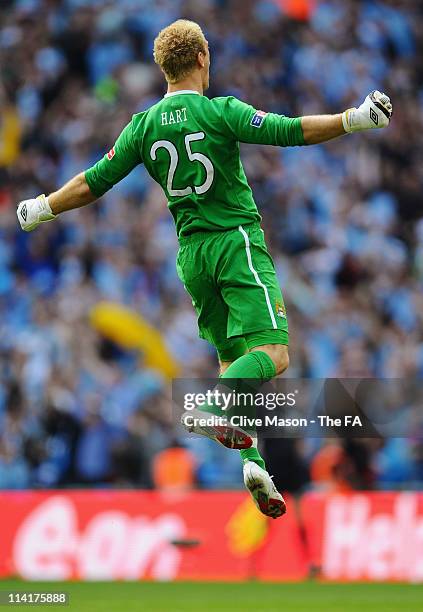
{"x":251,"y":291}
{"x":193,"y":269}
{"x":225,"y":363}
{"x":206,"y":281}
{"x":229,"y":350}
{"x":256,"y":310}
{"x":256,"y":478}
{"x":278,"y":353}
{"x":218,"y":429}
{"x":273,"y":361}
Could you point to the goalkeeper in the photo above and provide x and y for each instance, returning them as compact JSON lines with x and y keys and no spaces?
{"x":190,"y":145}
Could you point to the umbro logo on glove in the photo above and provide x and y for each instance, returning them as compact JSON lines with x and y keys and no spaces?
{"x":373,"y":116}
{"x":375,"y":112}
{"x":24,"y":212}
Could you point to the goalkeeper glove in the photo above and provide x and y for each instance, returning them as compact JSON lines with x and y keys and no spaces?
{"x":375,"y":112}
{"x":33,"y":212}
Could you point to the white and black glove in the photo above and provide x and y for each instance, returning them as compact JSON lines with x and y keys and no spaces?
{"x":375,"y":112}
{"x":33,"y":212}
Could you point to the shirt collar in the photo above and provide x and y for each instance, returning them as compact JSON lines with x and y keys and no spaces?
{"x":182,"y":91}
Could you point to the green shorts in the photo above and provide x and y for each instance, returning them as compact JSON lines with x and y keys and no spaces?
{"x":232,"y":281}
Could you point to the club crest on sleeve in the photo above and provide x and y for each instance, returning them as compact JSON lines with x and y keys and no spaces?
{"x":258,"y":118}
{"x":111,"y":154}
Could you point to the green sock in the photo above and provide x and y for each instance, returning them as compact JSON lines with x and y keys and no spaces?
{"x":255,"y":365}
{"x":252,"y":454}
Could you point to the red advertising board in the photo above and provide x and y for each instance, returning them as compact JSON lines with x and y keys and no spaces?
{"x":365,"y":536}
{"x":132,"y":535}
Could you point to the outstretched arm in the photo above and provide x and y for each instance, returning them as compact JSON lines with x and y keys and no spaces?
{"x":320,"y":128}
{"x":74,"y":194}
{"x":246,"y":124}
{"x":85,"y":187}
{"x":375,"y":112}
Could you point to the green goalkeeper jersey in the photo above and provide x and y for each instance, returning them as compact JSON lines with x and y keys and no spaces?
{"x":189,"y":144}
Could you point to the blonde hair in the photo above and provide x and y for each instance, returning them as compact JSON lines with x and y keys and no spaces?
{"x":176,"y":49}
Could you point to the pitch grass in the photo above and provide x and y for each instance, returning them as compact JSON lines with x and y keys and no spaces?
{"x":225,"y":597}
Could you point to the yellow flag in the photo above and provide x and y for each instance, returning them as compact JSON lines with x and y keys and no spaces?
{"x":10,"y":135}
{"x":130,"y":330}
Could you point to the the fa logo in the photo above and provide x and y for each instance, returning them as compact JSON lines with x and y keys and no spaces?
{"x":111,"y":154}
{"x":258,"y":118}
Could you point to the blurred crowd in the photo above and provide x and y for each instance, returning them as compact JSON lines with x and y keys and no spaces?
{"x":343,"y":221}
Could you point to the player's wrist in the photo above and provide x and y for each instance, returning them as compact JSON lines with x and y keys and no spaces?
{"x":44,"y":211}
{"x":346,"y":120}
{"x":52,"y":202}
{"x":355,"y":120}
{"x":47,"y":210}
